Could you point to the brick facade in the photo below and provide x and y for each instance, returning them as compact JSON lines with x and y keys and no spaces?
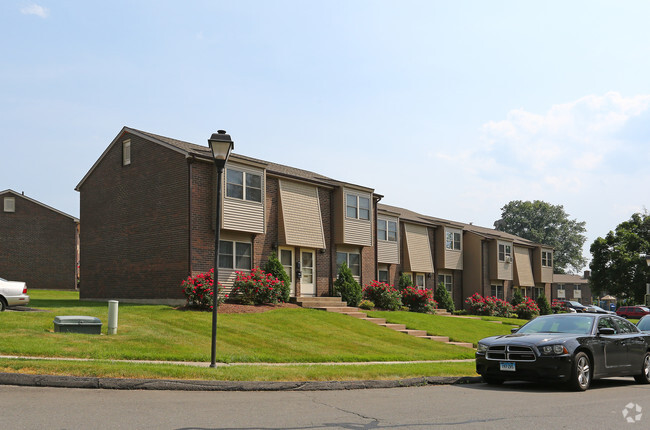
{"x":38,"y":245}
{"x":134,"y":238}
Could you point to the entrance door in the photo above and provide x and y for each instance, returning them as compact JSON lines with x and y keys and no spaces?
{"x":308,"y":268}
{"x":286,"y":258}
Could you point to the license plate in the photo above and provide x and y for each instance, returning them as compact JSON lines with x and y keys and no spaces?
{"x":507,"y":366}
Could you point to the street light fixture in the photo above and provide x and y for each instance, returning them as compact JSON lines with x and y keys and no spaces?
{"x":221,"y":145}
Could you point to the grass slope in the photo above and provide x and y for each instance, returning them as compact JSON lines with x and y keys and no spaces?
{"x":458,"y":329}
{"x":164,"y":333}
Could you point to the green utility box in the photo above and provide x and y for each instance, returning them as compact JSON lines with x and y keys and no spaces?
{"x":77,"y":324}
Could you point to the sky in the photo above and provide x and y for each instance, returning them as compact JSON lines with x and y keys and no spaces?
{"x":448,"y":108}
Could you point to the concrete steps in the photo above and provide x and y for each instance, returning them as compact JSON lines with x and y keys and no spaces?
{"x":335,"y":304}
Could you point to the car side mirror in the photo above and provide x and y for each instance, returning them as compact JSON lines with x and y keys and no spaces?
{"x":606,"y":331}
{"x":514,"y":330}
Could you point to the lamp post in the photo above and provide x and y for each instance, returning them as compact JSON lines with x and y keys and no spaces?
{"x":647,"y":285}
{"x":221,"y":145}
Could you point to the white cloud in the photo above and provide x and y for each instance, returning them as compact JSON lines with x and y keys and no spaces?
{"x":35,"y":9}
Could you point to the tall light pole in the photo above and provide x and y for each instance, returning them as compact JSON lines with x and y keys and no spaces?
{"x":221,"y":145}
{"x":647,"y":285}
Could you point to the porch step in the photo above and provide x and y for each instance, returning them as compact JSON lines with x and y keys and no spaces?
{"x":418,"y":333}
{"x":319,"y":302}
{"x":441,"y":312}
{"x":339,"y":309}
{"x":397,"y":327}
{"x":437,"y":338}
{"x":465,"y":344}
{"x":359,"y":315}
{"x":378,"y":321}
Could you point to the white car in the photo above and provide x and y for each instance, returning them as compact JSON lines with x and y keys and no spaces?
{"x":12,"y":293}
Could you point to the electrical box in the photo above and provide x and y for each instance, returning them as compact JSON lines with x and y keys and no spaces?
{"x":77,"y":324}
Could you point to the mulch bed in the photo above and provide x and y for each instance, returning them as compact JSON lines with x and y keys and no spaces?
{"x":234,"y":308}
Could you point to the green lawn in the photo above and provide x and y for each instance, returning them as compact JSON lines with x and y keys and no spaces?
{"x":149,"y":332}
{"x":458,"y":329}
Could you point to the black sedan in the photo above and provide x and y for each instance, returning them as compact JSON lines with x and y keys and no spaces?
{"x":572,"y":348}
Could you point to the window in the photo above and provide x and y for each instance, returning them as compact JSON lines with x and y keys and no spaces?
{"x":357,"y":207}
{"x":286,"y":259}
{"x":452,"y":240}
{"x":505,"y":253}
{"x":234,"y":255}
{"x":243,"y":185}
{"x":419,"y":280}
{"x":497,"y":291}
{"x":447,"y":281}
{"x":10,"y":204}
{"x":382,"y":274}
{"x":547,"y":259}
{"x":537,"y":292}
{"x":353,"y":260}
{"x":386,"y":230}
{"x":126,"y":153}
{"x":626,"y":327}
{"x":561,"y":292}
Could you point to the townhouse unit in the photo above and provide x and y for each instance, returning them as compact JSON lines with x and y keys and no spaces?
{"x":465,"y":258}
{"x":148,"y":209}
{"x":39,"y":244}
{"x":498,"y":263}
{"x":572,"y":287}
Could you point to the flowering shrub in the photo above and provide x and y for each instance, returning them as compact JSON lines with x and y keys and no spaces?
{"x":489,"y":306}
{"x":418,"y":300}
{"x":256,"y":288}
{"x":527,"y":309}
{"x":198,"y":290}
{"x":557,"y":306}
{"x":367,"y":305}
{"x":384,"y":296}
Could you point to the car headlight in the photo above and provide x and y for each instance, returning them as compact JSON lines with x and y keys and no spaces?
{"x":553,"y":350}
{"x":482,"y":348}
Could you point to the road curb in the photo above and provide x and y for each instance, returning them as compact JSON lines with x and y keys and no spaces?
{"x":191,"y":385}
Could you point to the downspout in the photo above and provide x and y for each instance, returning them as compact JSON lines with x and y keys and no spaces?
{"x":190,"y":162}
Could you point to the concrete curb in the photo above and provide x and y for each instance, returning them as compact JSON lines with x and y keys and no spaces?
{"x":191,"y":385}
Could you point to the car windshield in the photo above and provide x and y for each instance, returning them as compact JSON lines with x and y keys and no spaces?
{"x":575,"y":304}
{"x":644,"y":324}
{"x":579,"y":324}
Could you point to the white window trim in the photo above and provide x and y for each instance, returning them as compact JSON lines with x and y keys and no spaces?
{"x":358,"y":207}
{"x":383,"y":269}
{"x":424,"y":280}
{"x":245,"y":174}
{"x":388,"y":222}
{"x":506,"y":254}
{"x":10,"y":204}
{"x":126,"y":152}
{"x":347,"y":261}
{"x":453,"y":233}
{"x":547,"y":259}
{"x":234,"y":255}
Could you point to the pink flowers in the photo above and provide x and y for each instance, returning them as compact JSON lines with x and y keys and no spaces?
{"x":198,"y":290}
{"x":257,"y":288}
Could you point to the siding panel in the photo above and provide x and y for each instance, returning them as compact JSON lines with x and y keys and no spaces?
{"x":301,"y":221}
{"x":418,"y":248}
{"x":523,"y":267}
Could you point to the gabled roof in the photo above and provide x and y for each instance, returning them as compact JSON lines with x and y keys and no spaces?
{"x":485,"y":232}
{"x":23,"y":196}
{"x":203,"y":152}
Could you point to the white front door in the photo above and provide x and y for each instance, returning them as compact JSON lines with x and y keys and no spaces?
{"x":286,"y":258}
{"x":308,"y":268}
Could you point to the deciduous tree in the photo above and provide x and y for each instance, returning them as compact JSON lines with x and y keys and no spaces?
{"x":546,"y":224}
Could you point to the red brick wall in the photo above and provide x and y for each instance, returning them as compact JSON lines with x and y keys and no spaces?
{"x":134,"y":238}
{"x":37,"y":245}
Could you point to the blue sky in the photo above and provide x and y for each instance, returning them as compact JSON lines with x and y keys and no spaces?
{"x":451,"y":109}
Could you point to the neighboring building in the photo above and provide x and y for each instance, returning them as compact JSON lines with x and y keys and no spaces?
{"x":38,"y":244}
{"x":572,"y":287}
{"x":497,"y":263}
{"x":148,"y":208}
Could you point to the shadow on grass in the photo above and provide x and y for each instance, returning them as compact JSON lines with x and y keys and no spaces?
{"x":55,"y":303}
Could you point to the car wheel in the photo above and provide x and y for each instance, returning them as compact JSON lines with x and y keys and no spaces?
{"x":492,"y":380}
{"x":644,"y":377}
{"x":3,"y":306}
{"x":581,"y":372}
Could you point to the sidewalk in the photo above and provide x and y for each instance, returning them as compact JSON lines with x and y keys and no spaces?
{"x":196,"y":385}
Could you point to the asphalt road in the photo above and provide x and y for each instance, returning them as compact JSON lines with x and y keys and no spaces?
{"x":474,"y":406}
